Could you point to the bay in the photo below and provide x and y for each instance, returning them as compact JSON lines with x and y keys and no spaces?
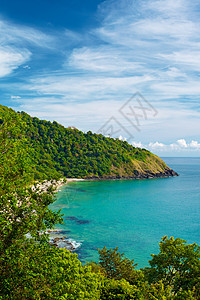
{"x":132,"y":215}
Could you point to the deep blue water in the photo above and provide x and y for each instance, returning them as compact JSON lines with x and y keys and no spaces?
{"x":132,"y":214}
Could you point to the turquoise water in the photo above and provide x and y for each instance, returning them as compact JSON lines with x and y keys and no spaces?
{"x":132,"y":214}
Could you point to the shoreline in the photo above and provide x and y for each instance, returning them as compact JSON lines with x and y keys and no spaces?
{"x":65,"y":181}
{"x":60,"y":240}
{"x":57,"y":184}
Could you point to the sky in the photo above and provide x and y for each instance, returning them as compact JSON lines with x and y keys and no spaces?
{"x":125,"y":68}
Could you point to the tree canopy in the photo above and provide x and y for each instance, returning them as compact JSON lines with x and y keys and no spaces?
{"x":177,"y":265}
{"x":57,"y":151}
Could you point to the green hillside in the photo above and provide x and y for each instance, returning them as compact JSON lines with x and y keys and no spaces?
{"x":58,"y":151}
{"x":31,"y":267}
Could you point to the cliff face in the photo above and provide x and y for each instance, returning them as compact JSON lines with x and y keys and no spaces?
{"x":57,"y":151}
{"x":153,"y":167}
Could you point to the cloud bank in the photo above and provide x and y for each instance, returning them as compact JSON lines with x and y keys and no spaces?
{"x":179,"y":146}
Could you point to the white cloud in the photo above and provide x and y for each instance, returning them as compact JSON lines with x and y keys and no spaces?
{"x":160,"y":28}
{"x":179,"y":145}
{"x":169,"y":7}
{"x":11,"y":33}
{"x":159,"y":20}
{"x":173,"y":72}
{"x":16,"y":42}
{"x":89,"y":87}
{"x":26,"y":67}
{"x":11,"y":59}
{"x":138,"y":46}
{"x":176,"y":148}
{"x":138,"y":145}
{"x":194,"y":144}
{"x":145,"y":38}
{"x":190,"y":59}
{"x":15,"y":97}
{"x":182,"y":143}
{"x":121,"y":138}
{"x":86,"y":116}
{"x":175,"y":89}
{"x":104,"y":59}
{"x":156,"y":145}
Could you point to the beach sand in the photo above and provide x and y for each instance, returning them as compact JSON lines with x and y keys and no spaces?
{"x":43,"y":186}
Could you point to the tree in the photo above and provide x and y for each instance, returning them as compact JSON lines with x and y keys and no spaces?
{"x":23,"y":210}
{"x":116,"y":266}
{"x":177,"y":265}
{"x":36,"y":271}
{"x":118,"y":290}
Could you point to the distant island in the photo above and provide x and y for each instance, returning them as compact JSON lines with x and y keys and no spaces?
{"x":58,"y":152}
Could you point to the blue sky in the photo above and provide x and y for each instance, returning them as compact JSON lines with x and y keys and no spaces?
{"x":80,"y":62}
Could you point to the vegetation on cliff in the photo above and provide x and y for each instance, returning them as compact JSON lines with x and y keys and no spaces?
{"x":57,"y":151}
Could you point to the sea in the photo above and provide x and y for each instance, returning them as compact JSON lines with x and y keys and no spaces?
{"x":132,"y":215}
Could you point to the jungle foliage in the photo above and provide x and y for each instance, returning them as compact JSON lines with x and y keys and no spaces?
{"x":31,"y":268}
{"x":57,"y":151}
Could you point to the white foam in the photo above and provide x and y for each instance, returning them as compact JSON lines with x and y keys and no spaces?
{"x":74,"y":243}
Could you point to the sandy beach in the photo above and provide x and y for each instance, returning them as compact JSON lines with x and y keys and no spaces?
{"x":43,"y":186}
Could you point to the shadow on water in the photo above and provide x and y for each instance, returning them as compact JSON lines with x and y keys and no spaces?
{"x":77,"y":221}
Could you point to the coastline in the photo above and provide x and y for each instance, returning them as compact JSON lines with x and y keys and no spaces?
{"x":65,"y":181}
{"x":147,"y":175}
{"x":57,"y":184}
{"x":58,"y":239}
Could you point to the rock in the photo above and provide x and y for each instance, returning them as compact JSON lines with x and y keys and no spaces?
{"x":56,"y":239}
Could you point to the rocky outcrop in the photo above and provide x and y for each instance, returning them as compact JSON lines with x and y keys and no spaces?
{"x":62,"y":242}
{"x":146,"y":175}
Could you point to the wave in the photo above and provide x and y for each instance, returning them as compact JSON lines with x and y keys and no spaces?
{"x":57,"y":239}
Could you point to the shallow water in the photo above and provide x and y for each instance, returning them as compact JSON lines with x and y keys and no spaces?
{"x":132,"y":215}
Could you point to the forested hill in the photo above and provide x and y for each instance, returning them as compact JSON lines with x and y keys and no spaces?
{"x":58,"y":151}
{"x":30,"y":267}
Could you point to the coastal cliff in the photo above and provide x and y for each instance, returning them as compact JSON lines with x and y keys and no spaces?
{"x":55,"y":152}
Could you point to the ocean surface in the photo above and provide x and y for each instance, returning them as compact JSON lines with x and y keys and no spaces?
{"x":132,"y":215}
